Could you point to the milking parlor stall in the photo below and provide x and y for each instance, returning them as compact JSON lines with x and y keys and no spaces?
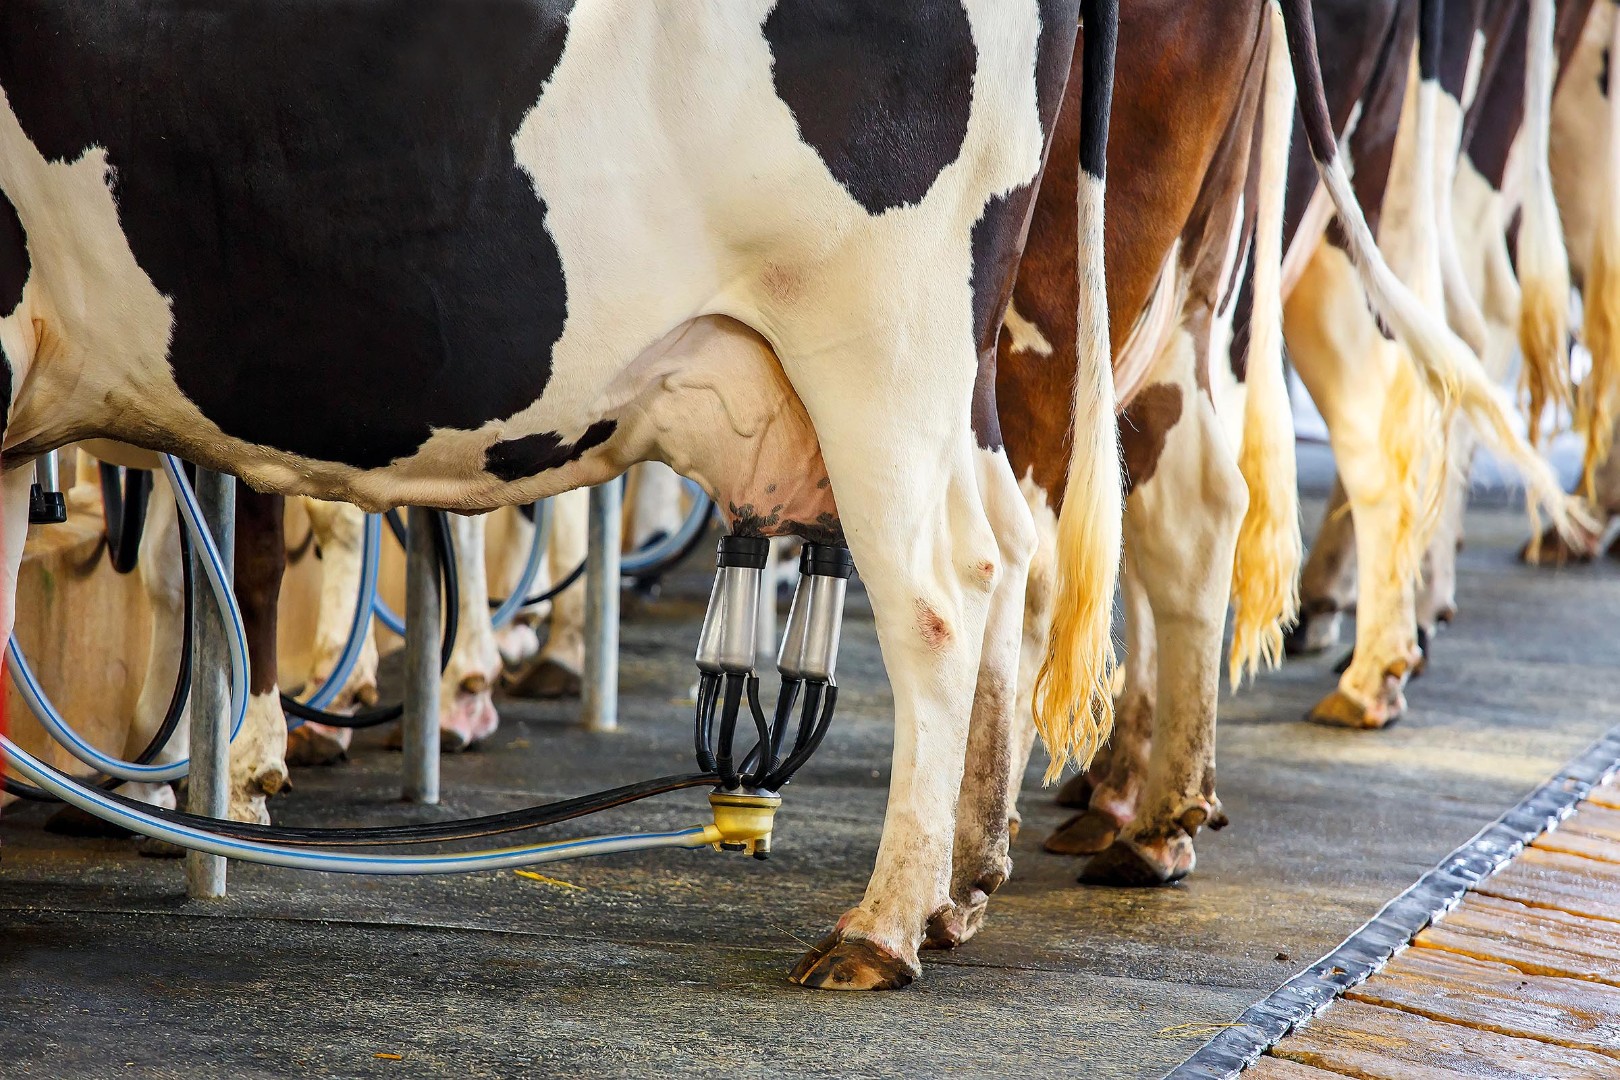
{"x":547,"y":537}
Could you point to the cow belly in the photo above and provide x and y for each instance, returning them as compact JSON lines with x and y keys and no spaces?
{"x":433,"y":286}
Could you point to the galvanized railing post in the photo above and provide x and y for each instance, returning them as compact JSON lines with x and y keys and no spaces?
{"x":420,"y":724}
{"x":600,"y":691}
{"x":210,"y":724}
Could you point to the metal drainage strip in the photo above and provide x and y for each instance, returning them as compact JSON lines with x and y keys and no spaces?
{"x":1367,"y":950}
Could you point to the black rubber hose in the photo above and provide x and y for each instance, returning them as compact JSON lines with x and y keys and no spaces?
{"x":547,"y":594}
{"x":177,"y":699}
{"x":653,"y":574}
{"x":123,"y":509}
{"x":826,"y":696}
{"x":532,"y":817}
{"x":396,"y":525}
{"x":642,"y":578}
{"x":730,"y":705}
{"x":450,"y":595}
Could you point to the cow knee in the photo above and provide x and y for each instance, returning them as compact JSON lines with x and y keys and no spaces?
{"x":1227,"y":495}
{"x":1016,"y":537}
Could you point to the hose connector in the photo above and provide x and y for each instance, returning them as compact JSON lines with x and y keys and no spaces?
{"x":743,"y":821}
{"x":46,"y":503}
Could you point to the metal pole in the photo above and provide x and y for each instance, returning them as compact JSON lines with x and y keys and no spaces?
{"x":208,"y":783}
{"x":601,"y":684}
{"x":420,"y":725}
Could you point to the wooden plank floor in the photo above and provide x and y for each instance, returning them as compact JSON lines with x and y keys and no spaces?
{"x":1522,"y":979}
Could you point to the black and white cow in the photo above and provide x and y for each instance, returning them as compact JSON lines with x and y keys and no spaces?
{"x":466,"y":255}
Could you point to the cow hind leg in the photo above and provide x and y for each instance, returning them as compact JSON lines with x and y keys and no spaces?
{"x":508,"y":535}
{"x":1380,"y":430}
{"x":981,"y":862}
{"x":467,"y":713}
{"x":1327,"y":586}
{"x":557,"y":670}
{"x":1436,"y":599}
{"x":1181,"y":533}
{"x":903,"y":468}
{"x":1116,"y":777}
{"x":259,"y":754}
{"x":338,"y":530}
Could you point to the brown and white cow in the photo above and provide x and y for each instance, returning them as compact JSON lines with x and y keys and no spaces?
{"x":1406,"y":134}
{"x":1204,"y":420}
{"x":1193,"y":291}
{"x":1486,"y":64}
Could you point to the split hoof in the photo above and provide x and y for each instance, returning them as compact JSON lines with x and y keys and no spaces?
{"x":467,"y":720}
{"x":1084,"y":834}
{"x":316,"y":744}
{"x":1075,"y":792}
{"x":1339,"y":709}
{"x":955,"y":925}
{"x":71,"y":821}
{"x":1124,"y":865}
{"x":546,"y":680}
{"x":840,"y":963}
{"x":470,"y":720}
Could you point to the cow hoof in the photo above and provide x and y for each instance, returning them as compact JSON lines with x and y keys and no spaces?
{"x":546,"y":680}
{"x":1339,"y":709}
{"x":840,"y":963}
{"x":1083,"y":834}
{"x":152,"y":848}
{"x":1555,"y":551}
{"x":953,"y":926}
{"x":1075,"y":792}
{"x":71,"y":821}
{"x":450,"y":741}
{"x":316,"y":744}
{"x":471,"y":720}
{"x":1126,"y":865}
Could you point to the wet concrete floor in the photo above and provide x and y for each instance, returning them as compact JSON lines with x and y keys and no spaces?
{"x":673,"y":964}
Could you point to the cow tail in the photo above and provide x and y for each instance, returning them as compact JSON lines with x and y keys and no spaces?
{"x":1601,"y":328}
{"x":1450,"y":371}
{"x":1265,"y":572}
{"x":1073,"y":699}
{"x":1543,"y":262}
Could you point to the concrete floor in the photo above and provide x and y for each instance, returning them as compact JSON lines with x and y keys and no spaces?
{"x":673,"y":964}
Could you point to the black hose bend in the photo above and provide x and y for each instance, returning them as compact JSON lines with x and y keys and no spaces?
{"x":450,"y":603}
